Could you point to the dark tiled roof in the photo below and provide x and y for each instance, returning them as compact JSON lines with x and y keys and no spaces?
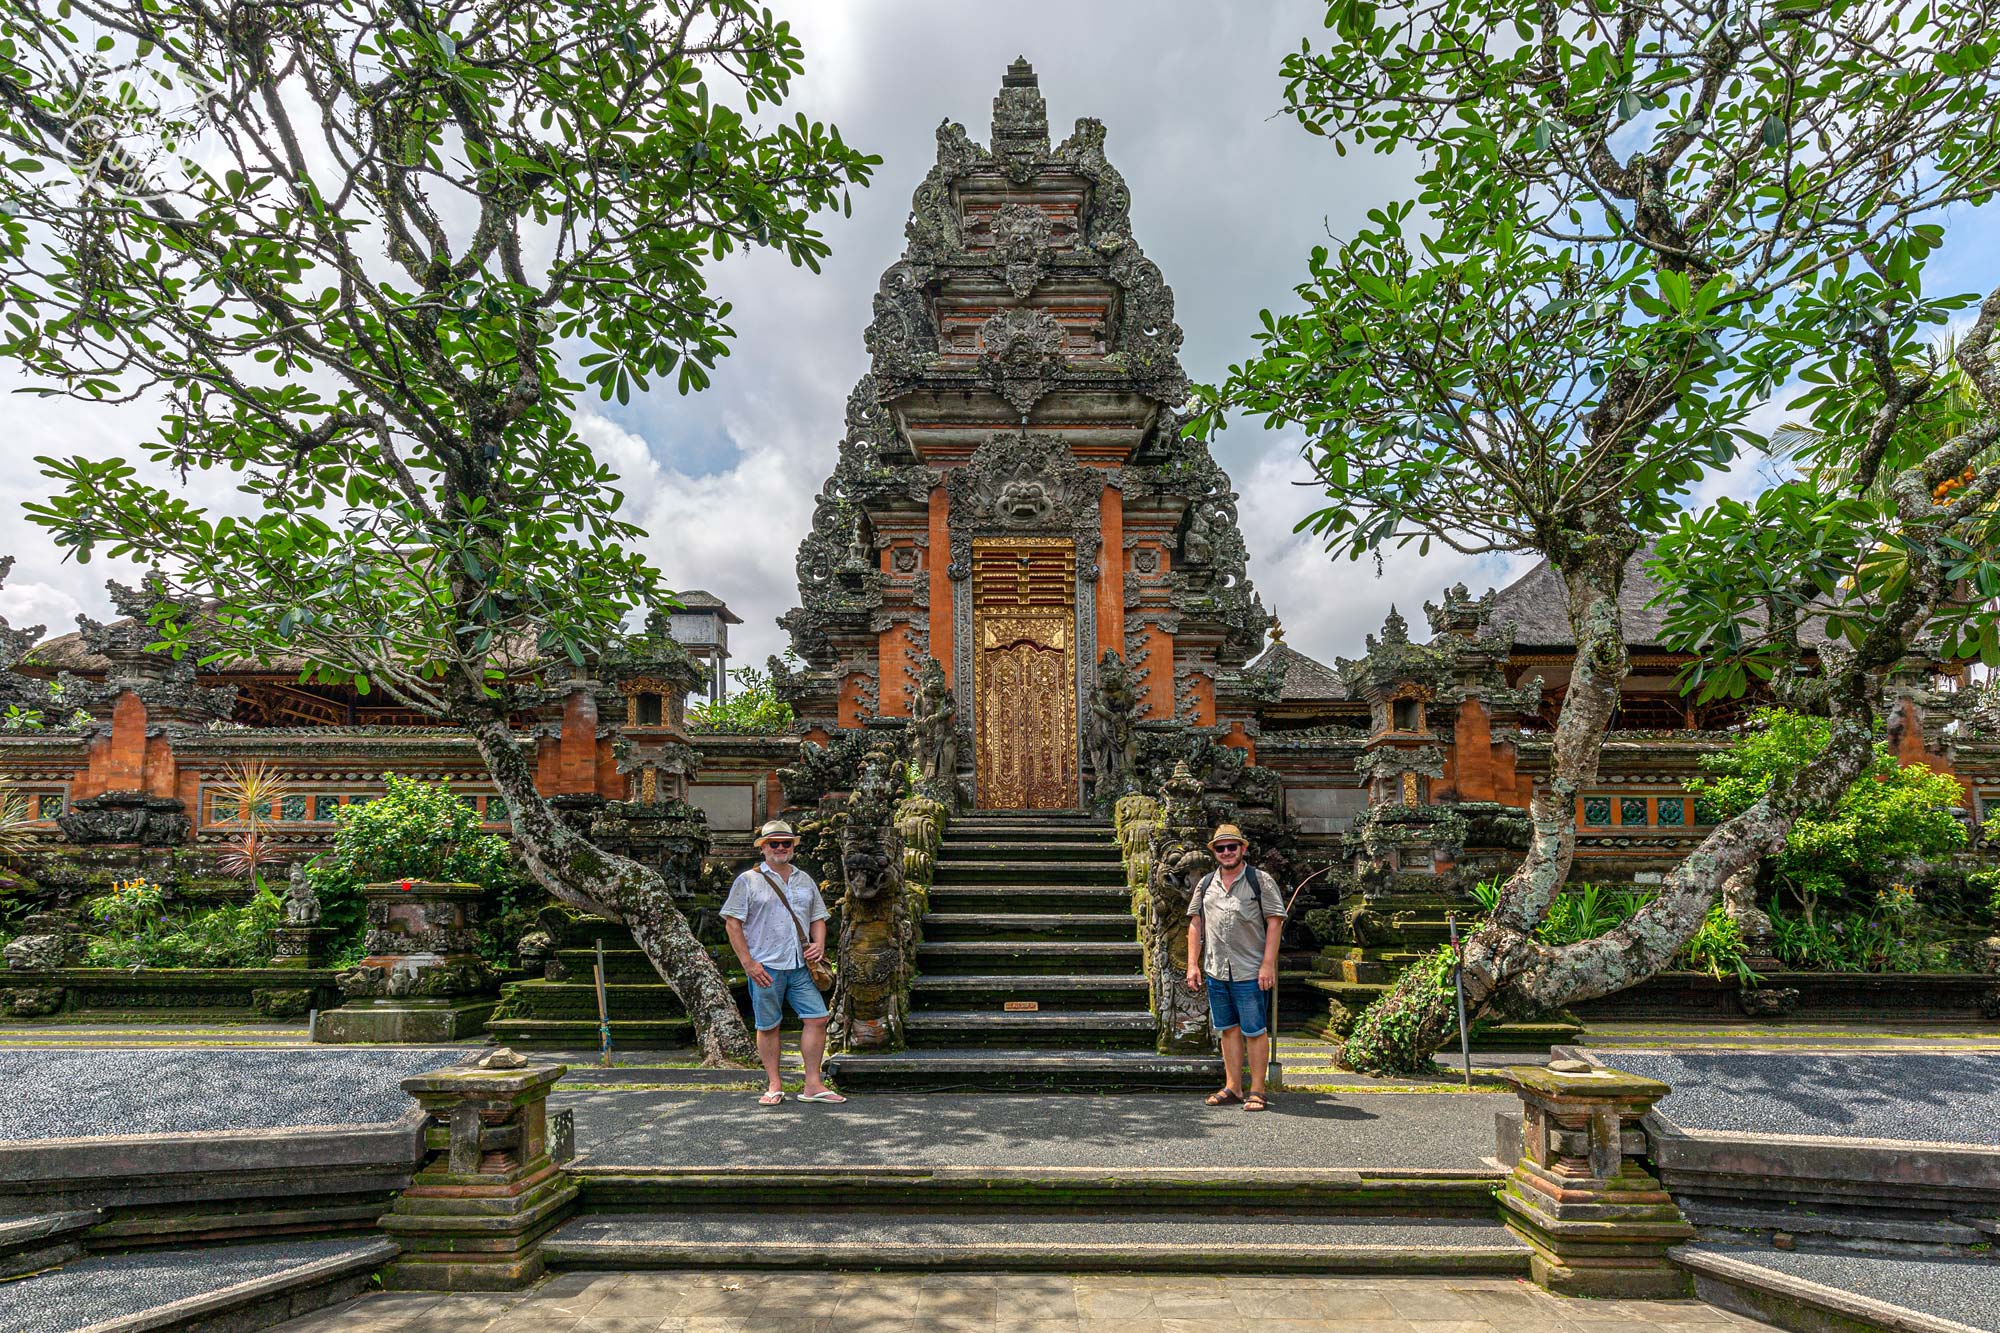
{"x":1306,"y":681}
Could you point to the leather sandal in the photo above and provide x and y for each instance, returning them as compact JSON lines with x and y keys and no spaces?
{"x":1256,"y":1101}
{"x":1224,"y":1097}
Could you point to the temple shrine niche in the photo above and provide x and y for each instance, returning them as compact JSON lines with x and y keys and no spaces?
{"x":1014,"y":496}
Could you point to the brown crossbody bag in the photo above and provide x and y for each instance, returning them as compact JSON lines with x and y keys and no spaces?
{"x":819,"y":970}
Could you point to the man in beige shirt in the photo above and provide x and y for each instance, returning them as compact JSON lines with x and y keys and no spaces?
{"x":1234,"y":919}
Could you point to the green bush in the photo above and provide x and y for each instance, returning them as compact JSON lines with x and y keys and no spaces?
{"x":1894,"y":935}
{"x":1717,"y":948}
{"x":754,"y":710}
{"x":135,"y":927}
{"x":1890,"y":817}
{"x":422,"y":830}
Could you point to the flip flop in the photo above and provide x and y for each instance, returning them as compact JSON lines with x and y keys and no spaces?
{"x":829,"y":1096}
{"x":771,"y":1099}
{"x":1224,"y":1097}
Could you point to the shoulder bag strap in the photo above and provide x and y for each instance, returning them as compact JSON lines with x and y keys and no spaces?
{"x":779,"y":890}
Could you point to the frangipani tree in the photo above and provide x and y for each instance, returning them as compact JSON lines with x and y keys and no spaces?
{"x":354,"y":251}
{"x":1633,"y":223}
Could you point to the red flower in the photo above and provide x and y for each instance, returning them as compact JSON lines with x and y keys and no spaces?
{"x":406,"y":886}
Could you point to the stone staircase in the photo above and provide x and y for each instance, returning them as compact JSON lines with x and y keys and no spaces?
{"x":1030,"y":970}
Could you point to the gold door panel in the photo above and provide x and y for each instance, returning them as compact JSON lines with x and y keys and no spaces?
{"x":1024,"y":646}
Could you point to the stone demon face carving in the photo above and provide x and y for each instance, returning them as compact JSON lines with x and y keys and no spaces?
{"x":1024,"y":500}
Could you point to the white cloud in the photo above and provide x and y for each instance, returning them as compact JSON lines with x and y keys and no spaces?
{"x":1225,"y":197}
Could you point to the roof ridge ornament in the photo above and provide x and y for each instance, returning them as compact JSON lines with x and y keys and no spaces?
{"x":1020,"y":122}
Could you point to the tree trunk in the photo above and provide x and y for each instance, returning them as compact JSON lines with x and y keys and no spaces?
{"x":1419,"y":1009}
{"x":580,"y":873}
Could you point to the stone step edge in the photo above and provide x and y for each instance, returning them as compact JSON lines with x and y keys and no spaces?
{"x":970,"y":981}
{"x":41,"y":1240}
{"x":1030,"y":1017}
{"x":1763,"y":1293}
{"x":1497,"y":1260}
{"x":1373,"y":1191}
{"x":1192,"y":1175}
{"x":295,"y":1291}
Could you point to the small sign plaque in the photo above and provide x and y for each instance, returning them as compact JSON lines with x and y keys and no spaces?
{"x":1021,"y":1007}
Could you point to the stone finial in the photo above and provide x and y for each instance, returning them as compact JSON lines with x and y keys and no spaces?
{"x":1020,"y":119}
{"x":1462,"y":615}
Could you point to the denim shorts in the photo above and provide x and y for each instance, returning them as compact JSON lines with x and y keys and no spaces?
{"x":1244,"y":1004}
{"x":795,"y":984}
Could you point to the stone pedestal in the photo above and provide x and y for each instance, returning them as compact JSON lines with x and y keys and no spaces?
{"x":303,"y":946}
{"x":488,"y":1191}
{"x":1600,"y":1224}
{"x":423,"y":979}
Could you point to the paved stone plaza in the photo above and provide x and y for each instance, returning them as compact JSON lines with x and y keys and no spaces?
{"x":736,"y":1302}
{"x":1375,"y":1129}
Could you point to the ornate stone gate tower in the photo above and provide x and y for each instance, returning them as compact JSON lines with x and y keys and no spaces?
{"x":1014,"y":496}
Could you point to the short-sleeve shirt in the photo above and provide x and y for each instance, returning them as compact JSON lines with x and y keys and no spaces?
{"x":1232,"y":922}
{"x":767,"y":929}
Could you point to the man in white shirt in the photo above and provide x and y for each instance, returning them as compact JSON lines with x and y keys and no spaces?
{"x":776,"y":921}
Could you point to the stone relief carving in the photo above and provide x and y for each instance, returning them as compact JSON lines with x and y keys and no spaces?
{"x":1021,"y":240}
{"x":1021,"y":356}
{"x":1022,"y":483}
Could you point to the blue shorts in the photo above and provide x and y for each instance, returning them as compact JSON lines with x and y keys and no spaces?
{"x":1239,"y":1004}
{"x":795,"y":984}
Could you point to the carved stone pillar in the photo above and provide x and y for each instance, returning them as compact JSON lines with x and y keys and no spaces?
{"x":489,"y":1188}
{"x":1600,"y":1224}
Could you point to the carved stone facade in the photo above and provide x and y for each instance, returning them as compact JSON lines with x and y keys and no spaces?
{"x":1014,"y":494}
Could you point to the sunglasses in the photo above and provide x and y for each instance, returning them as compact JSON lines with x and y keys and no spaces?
{"x":781,"y":844}
{"x":1228,"y":846}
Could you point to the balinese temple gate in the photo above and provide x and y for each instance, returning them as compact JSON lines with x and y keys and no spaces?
{"x":1014,"y":496}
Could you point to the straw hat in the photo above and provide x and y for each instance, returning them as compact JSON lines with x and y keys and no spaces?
{"x":777,"y":828}
{"x":1228,"y":833}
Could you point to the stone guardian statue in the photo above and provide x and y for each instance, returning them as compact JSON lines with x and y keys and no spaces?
{"x":936,"y":735}
{"x":1113,"y":705}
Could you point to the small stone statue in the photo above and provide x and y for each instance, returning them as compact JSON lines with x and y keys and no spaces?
{"x":857,"y":550}
{"x":936,"y":734}
{"x":1113,"y":705}
{"x":301,"y":903}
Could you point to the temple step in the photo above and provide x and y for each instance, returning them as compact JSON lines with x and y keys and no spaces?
{"x":992,"y":898}
{"x":1355,"y":1192}
{"x":1013,"y":1239}
{"x":1008,"y":957}
{"x":993,"y":993}
{"x":952,"y":870}
{"x":1030,"y":851}
{"x":1068,"y":927}
{"x":1070,"y":1028}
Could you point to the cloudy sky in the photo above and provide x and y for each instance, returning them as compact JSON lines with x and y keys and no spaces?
{"x":1226,"y":198}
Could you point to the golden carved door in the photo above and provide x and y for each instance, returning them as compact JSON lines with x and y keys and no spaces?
{"x":1024,"y":648}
